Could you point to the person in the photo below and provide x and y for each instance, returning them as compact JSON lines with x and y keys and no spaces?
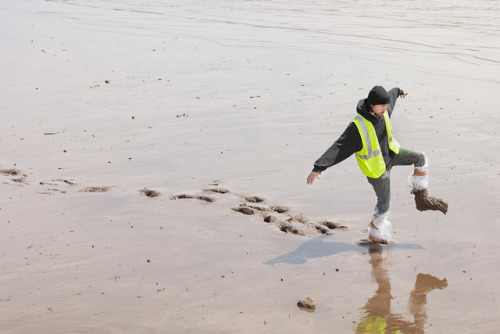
{"x":369,"y":136}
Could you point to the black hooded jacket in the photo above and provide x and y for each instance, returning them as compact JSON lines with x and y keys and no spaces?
{"x":350,"y":141}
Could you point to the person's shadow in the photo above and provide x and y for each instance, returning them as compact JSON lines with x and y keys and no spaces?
{"x":376,"y":314}
{"x":318,"y":247}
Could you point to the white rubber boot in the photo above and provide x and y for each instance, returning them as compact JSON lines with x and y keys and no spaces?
{"x":380,"y":229}
{"x":418,"y":180}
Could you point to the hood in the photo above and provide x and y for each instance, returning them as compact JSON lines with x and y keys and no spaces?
{"x":363,"y":111}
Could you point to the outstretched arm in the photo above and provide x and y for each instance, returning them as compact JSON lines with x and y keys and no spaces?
{"x":347,"y":144}
{"x":394,"y":94}
{"x":312,"y":176}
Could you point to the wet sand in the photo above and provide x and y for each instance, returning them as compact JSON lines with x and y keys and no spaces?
{"x":132,"y":135}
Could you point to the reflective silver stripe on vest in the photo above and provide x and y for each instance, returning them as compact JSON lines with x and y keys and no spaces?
{"x":370,"y":154}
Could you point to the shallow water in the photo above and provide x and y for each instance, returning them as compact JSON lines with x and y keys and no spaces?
{"x":463,"y":34}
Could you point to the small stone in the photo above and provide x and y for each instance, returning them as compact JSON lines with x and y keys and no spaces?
{"x":307,"y":304}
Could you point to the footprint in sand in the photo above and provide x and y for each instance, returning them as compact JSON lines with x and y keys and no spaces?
{"x":244,"y":210}
{"x":149,"y":192}
{"x":280,"y":216}
{"x":55,"y":183}
{"x":217,"y":190}
{"x":200,"y":197}
{"x":19,"y":176}
{"x":94,"y":189}
{"x":253,"y":199}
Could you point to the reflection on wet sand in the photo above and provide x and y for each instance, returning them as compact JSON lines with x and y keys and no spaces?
{"x":377,"y":317}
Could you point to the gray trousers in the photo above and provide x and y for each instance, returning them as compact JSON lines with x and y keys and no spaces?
{"x":382,"y":185}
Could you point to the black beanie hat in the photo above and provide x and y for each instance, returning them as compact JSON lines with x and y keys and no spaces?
{"x":378,"y":95}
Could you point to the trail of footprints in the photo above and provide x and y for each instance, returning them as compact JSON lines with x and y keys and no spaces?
{"x":54,"y":186}
{"x":281,"y":216}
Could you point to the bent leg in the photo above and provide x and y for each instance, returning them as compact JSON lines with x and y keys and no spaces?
{"x":410,"y":157}
{"x":419,"y":180}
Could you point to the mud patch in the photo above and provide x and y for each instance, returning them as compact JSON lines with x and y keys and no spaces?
{"x":149,"y":192}
{"x":94,"y":189}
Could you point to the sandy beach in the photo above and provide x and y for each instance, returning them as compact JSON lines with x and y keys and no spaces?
{"x":133,"y":134}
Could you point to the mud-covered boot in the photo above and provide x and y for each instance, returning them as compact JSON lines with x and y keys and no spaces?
{"x":426,"y":202}
{"x":419,"y":182}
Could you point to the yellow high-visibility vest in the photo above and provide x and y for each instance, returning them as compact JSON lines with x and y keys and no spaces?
{"x":370,"y":158}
